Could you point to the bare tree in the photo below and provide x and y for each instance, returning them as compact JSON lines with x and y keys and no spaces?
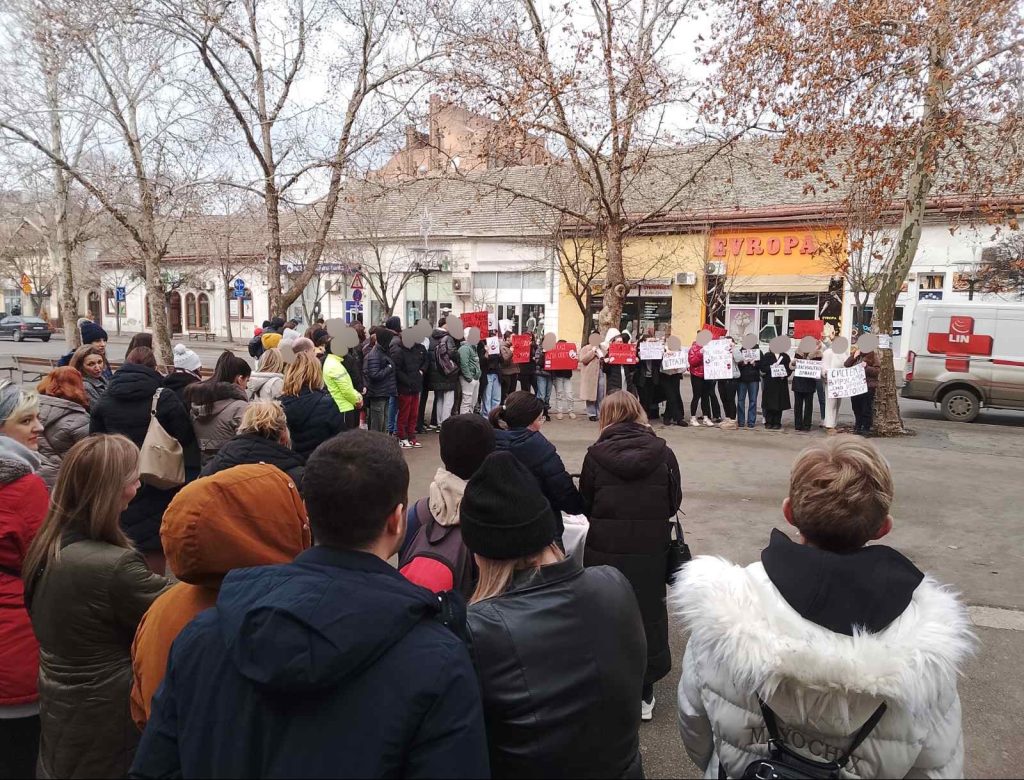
{"x":1001,"y":271}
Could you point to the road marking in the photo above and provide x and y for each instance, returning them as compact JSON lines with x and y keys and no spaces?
{"x":993,"y":617}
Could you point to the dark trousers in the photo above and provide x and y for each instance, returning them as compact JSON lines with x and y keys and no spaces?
{"x":528,"y":383}
{"x":351,"y":419}
{"x":377,"y":414}
{"x":727,"y":392}
{"x":772,"y":419}
{"x":20,"y":740}
{"x":422,"y":416}
{"x":508,"y":385}
{"x":704,"y":391}
{"x":648,"y":393}
{"x":821,"y":398}
{"x":408,"y":407}
{"x":803,"y":406}
{"x":648,"y":692}
{"x":674,"y":410}
{"x":863,"y":411}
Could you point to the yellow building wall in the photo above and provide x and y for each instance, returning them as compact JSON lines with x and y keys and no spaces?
{"x":646,"y":257}
{"x":792,"y":251}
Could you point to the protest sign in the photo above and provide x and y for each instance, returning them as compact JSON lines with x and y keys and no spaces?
{"x":753,"y":355}
{"x":521,"y":348}
{"x":884,"y":341}
{"x":561,"y":357}
{"x":652,"y":350}
{"x":778,"y":371}
{"x":803,"y":328}
{"x":718,"y":360}
{"x":493,"y":346}
{"x":808,"y":369}
{"x":622,"y":354}
{"x":674,"y":361}
{"x":475,"y":319}
{"x":504,"y":326}
{"x":847,"y":382}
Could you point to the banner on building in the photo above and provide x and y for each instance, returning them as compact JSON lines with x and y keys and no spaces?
{"x":652,"y":350}
{"x":562,"y":357}
{"x":521,"y":348}
{"x":674,"y":361}
{"x":475,"y":319}
{"x":621,"y":354}
{"x":718,"y":359}
{"x":808,"y":369}
{"x":847,"y":382}
{"x":803,"y":328}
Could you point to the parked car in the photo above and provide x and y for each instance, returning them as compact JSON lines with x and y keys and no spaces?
{"x":965,"y":356}
{"x":21,"y":328}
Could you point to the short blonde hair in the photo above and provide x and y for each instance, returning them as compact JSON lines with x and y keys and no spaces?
{"x":304,"y":372}
{"x":271,"y":361}
{"x":622,"y":407}
{"x":16,"y":404}
{"x":840,"y":492}
{"x":264,"y":418}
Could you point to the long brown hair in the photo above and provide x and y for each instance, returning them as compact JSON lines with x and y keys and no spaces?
{"x":305,"y":371}
{"x":496,"y":576}
{"x":82,"y":503}
{"x":64,"y":382}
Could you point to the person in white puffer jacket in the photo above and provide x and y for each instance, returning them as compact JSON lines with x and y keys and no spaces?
{"x":824,"y":631}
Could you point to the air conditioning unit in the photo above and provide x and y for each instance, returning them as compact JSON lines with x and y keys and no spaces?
{"x":686,"y":279}
{"x":462,"y":285}
{"x":209,"y":286}
{"x":715,"y":268}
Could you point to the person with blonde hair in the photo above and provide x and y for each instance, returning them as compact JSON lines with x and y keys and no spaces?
{"x":559,"y":650}
{"x":262,"y":437}
{"x":312,"y":414}
{"x":87,"y":589}
{"x":267,"y":380}
{"x":64,"y":413}
{"x":825,"y":637}
{"x":632,"y":488}
{"x":24,"y":501}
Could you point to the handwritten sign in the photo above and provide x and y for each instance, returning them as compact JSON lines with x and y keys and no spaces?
{"x":778,"y":371}
{"x":674,"y":361}
{"x":621,"y":355}
{"x":718,"y":359}
{"x":561,"y":357}
{"x":752,"y":355}
{"x":475,"y":319}
{"x":521,"y":348}
{"x":884,"y":341}
{"x":847,"y":382}
{"x":808,"y":369}
{"x":652,"y":350}
{"x":493,"y":345}
{"x":803,"y":328}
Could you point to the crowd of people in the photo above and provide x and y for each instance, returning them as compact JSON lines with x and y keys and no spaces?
{"x":251,"y":619}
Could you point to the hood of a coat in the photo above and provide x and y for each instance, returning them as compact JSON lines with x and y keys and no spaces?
{"x":179,"y":379}
{"x":226,"y":394}
{"x":446,"y":497}
{"x":609,"y":337}
{"x":16,"y":460}
{"x":260,"y":378}
{"x":253,"y":448}
{"x":248,"y":515}
{"x":762,"y":644}
{"x":303,"y":407}
{"x":293,"y":630}
{"x":52,"y":409}
{"x":133,"y":382}
{"x":628,"y":450}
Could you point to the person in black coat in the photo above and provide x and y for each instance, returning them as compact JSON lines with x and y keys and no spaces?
{"x":631,"y":489}
{"x":312,"y":414}
{"x":262,"y":438}
{"x":648,"y":380}
{"x":618,"y":376}
{"x":559,"y":650}
{"x":126,"y":409}
{"x":381,"y":384}
{"x":774,"y":390}
{"x":410,"y":368}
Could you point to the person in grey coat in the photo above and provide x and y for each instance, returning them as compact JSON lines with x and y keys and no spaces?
{"x":65,"y":418}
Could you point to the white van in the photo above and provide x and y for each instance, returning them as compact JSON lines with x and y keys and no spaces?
{"x":966,"y":355}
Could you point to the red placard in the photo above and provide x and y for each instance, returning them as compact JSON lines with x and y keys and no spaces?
{"x":622,"y":354}
{"x":475,"y":319}
{"x":521,"y":348}
{"x":803,"y":328}
{"x":717,"y":332}
{"x":562,"y":357}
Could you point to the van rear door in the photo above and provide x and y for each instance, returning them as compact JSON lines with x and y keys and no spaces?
{"x":1008,"y":359}
{"x":959,"y":348}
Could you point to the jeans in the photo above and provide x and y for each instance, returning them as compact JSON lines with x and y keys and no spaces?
{"x":544,"y":390}
{"x":593,"y":407}
{"x":727,"y":392}
{"x":747,"y":400}
{"x":820,"y":390}
{"x":469,"y":390}
{"x":408,"y":414}
{"x":564,"y":401}
{"x":393,"y":414}
{"x":377,"y":414}
{"x":803,"y":405}
{"x":492,"y":395}
{"x":864,"y":411}
{"x":445,"y":404}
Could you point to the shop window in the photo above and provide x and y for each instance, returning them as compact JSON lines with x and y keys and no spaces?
{"x":533,"y":280}
{"x":803,"y":299}
{"x":931,"y":281}
{"x":773,"y":299}
{"x":110,"y":300}
{"x":240,"y":308}
{"x":190,"y":311}
{"x":203,"y":301}
{"x":485,"y":280}
{"x":510,"y":280}
{"x":742,"y":297}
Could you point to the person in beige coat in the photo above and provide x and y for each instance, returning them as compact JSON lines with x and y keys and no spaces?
{"x":591,"y":376}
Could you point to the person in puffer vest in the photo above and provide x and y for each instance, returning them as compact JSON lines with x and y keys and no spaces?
{"x":824,"y":630}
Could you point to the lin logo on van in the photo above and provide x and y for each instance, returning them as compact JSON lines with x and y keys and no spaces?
{"x":960,"y":340}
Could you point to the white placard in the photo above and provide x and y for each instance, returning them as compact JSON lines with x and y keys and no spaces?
{"x":847,"y":382}
{"x":652,"y":350}
{"x":808,"y":369}
{"x":674,"y":361}
{"x":884,"y":341}
{"x":753,"y":355}
{"x":493,"y":345}
{"x":718,"y":359}
{"x":779,"y":371}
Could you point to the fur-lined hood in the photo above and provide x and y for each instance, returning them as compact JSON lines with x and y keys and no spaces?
{"x":16,"y":460}
{"x":739,"y":619}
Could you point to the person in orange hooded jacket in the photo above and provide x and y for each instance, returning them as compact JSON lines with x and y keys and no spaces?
{"x":250,"y":515}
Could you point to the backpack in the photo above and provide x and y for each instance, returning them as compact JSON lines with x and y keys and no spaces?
{"x":443,"y":357}
{"x":255,"y":346}
{"x":784,"y":763}
{"x":435,"y":557}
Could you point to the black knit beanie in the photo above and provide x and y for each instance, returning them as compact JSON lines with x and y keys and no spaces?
{"x":504,"y":515}
{"x":466,"y":439}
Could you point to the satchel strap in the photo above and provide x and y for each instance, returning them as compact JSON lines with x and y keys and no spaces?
{"x":156,"y":399}
{"x":858,"y":739}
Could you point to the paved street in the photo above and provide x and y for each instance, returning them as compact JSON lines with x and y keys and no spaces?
{"x":957,"y":516}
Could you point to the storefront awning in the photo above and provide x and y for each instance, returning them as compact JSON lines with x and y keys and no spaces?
{"x":781,"y":284}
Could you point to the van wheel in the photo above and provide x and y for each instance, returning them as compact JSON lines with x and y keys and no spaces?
{"x":961,"y":405}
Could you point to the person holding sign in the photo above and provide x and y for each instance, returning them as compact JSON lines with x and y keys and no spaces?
{"x":591,"y":375}
{"x":833,"y":357}
{"x":648,"y":379}
{"x":775,"y":379}
{"x":864,"y":404}
{"x":805,"y":381}
{"x":618,"y":375}
{"x":673,"y":366}
{"x":747,"y":358}
{"x":703,"y":390}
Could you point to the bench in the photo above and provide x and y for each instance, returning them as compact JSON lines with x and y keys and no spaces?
{"x":201,"y":334}
{"x":34,"y":366}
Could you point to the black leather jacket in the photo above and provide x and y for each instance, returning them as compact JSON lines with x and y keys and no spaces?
{"x":561,"y":658}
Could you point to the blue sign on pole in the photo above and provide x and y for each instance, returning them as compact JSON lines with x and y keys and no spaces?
{"x":239,"y":288}
{"x":357,"y":295}
{"x":352,"y":310}
{"x":120,"y":294}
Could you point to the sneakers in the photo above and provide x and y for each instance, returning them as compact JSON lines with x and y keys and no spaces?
{"x":414,"y":444}
{"x":728,"y":425}
{"x":647,"y":709}
{"x":405,"y":444}
{"x":592,"y":418}
{"x":572,"y":415}
{"x":559,"y":416}
{"x":707,"y":422}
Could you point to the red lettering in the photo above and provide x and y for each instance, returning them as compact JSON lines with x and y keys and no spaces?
{"x":790,"y":243}
{"x":810,"y":245}
{"x":754,"y":246}
{"x":774,"y":245}
{"x":718,"y":247}
{"x":736,"y":246}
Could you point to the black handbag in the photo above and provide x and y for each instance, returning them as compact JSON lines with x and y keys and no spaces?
{"x":678,"y":550}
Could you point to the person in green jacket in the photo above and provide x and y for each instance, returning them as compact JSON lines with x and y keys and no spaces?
{"x":339,"y":385}
{"x":469,"y":376}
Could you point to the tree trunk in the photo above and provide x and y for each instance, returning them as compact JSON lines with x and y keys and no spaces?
{"x":615,"y":288}
{"x":62,"y":244}
{"x":227,"y":311}
{"x":275,"y":303}
{"x":157,"y":307}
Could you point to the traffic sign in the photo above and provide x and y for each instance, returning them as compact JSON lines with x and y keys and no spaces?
{"x":357,"y":282}
{"x":120,"y":294}
{"x":26,"y":284}
{"x":239,"y":288}
{"x":357,"y":295}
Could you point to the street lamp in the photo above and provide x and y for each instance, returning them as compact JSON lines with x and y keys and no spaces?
{"x":969,"y":273}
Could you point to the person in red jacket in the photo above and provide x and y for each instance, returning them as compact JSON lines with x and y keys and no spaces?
{"x":703,"y":390}
{"x":24,"y":501}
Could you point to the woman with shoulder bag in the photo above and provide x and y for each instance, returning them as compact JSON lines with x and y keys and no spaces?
{"x":631,"y":491}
